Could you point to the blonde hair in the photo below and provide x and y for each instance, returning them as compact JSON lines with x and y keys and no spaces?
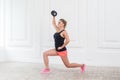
{"x":64,"y":22}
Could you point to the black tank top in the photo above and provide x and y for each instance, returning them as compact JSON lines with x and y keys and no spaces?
{"x":59,"y":41}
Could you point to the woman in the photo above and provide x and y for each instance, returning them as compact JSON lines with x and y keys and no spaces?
{"x":61,"y":39}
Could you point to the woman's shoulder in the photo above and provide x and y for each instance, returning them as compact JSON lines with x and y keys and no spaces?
{"x":65,"y":31}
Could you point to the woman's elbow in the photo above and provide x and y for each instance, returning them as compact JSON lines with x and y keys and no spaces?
{"x":68,"y":41}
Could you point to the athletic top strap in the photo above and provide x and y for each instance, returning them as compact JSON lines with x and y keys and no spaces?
{"x":61,"y":31}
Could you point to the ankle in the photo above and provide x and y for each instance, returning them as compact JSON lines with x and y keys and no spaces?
{"x":82,"y":65}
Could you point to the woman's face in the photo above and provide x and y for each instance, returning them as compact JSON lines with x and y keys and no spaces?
{"x":60,"y":24}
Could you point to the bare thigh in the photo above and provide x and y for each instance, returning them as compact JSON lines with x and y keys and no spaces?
{"x":65,"y":60}
{"x":51,"y":52}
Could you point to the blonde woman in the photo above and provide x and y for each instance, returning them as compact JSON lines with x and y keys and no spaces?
{"x":61,"y":39}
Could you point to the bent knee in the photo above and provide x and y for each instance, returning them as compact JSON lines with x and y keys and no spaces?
{"x":45,"y":53}
{"x":67,"y":65}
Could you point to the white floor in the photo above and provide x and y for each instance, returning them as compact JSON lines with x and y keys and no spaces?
{"x":31,"y":71}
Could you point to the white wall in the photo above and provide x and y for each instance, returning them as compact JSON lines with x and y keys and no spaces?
{"x":2,"y":51}
{"x":93,"y":27}
{"x":103,"y":32}
{"x":21,"y":30}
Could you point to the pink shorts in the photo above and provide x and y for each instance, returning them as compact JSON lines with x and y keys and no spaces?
{"x":62,"y":53}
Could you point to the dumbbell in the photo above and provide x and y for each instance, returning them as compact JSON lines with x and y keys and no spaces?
{"x":53,"y":13}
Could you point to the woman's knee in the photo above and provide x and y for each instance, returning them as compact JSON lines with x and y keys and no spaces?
{"x":45,"y":53}
{"x":67,"y":65}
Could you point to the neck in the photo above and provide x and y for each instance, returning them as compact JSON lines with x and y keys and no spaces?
{"x":62,"y":29}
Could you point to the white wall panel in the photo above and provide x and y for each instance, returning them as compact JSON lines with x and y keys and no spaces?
{"x":1,"y":23}
{"x":18,"y":22}
{"x":108,"y":23}
{"x":103,"y":47}
{"x":2,"y":50}
{"x":22,"y":30}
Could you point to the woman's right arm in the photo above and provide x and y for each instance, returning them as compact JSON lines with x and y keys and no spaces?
{"x":54,"y":24}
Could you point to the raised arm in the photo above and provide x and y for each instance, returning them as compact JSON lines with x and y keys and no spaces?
{"x":54,"y":23}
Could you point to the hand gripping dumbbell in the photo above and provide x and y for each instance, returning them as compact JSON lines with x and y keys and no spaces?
{"x":53,"y":13}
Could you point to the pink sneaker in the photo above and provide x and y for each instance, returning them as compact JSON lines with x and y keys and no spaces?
{"x":83,"y":68}
{"x":45,"y":71}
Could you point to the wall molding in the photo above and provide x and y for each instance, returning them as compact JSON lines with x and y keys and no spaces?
{"x":14,"y":38}
{"x":102,"y":42}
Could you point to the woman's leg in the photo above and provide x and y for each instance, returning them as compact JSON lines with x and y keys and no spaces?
{"x":51,"y":52}
{"x":70,"y":65}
